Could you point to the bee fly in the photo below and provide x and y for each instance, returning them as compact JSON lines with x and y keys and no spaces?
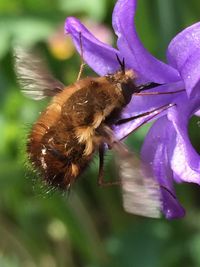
{"x":77,"y":123}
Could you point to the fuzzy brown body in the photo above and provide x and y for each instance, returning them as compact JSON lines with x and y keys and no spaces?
{"x":65,"y":137}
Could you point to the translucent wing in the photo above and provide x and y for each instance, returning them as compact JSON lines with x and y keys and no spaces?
{"x":33,"y":75}
{"x":141,"y":193}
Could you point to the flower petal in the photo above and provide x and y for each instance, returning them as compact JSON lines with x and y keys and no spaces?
{"x":154,"y":153}
{"x":197,"y":113}
{"x":171,"y":207}
{"x":99,"y":56}
{"x":136,"y":56}
{"x":184,"y":55}
{"x":185,"y":161}
{"x":141,"y":104}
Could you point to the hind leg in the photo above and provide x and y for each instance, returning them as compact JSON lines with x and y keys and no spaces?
{"x":82,"y":60}
{"x":101,"y":180}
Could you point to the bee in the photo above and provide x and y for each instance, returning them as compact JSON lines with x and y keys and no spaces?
{"x":77,"y":123}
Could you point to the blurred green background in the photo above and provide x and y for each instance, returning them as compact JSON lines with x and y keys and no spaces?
{"x":89,"y":227}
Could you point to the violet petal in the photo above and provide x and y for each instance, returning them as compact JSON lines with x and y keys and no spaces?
{"x":131,"y":48}
{"x":184,"y":55}
{"x":185,"y":161}
{"x":154,"y":153}
{"x":98,"y":55}
{"x":197,"y":113}
{"x":171,"y":207}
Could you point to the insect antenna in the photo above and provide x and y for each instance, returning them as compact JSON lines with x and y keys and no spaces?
{"x":121,"y":63}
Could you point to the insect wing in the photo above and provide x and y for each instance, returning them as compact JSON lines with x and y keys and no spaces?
{"x":141,"y":194}
{"x":33,"y":75}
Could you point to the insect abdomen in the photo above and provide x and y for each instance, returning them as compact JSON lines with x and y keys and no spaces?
{"x":58,"y":157}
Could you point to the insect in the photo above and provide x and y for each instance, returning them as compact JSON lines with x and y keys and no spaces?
{"x":77,"y":123}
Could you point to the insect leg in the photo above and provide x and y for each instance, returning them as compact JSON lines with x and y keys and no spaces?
{"x":101,"y":181}
{"x":82,"y":60}
{"x":156,"y":111}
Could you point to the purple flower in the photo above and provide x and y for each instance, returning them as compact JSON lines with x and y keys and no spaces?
{"x":167,"y":146}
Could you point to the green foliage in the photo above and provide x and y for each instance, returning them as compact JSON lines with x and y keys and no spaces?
{"x":89,"y":227}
